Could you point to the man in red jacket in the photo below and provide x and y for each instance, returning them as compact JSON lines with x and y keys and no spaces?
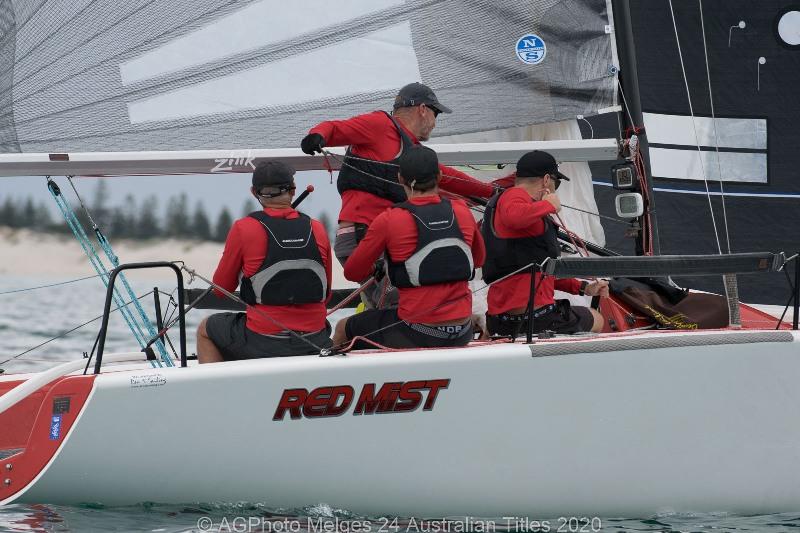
{"x":432,"y":248}
{"x":368,"y":178}
{"x":284,"y":258}
{"x":518,"y":231}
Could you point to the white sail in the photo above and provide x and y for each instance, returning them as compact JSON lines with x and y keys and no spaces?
{"x":100,"y":76}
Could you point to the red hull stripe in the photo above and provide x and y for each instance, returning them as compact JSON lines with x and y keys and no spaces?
{"x":38,"y":425}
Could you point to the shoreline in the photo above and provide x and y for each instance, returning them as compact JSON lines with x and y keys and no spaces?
{"x":26,"y":253}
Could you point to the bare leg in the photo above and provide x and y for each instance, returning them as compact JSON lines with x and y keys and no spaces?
{"x":599,"y":321}
{"x":339,"y":335}
{"x":207,"y":351}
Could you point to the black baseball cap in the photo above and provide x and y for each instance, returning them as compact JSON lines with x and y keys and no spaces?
{"x":273,"y":174}
{"x":416,"y":94}
{"x":536,"y":164}
{"x":419,"y":164}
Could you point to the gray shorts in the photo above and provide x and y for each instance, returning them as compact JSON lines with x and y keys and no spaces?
{"x":229,"y":333}
{"x":380,"y":295}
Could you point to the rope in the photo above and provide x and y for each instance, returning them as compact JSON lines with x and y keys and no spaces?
{"x":716,"y":137}
{"x":350,"y":297}
{"x":64,"y":334}
{"x":193,"y":273}
{"x":386,"y":163}
{"x":137,"y":326}
{"x":627,"y":109}
{"x":440,"y":305}
{"x":50,"y":285}
{"x":694,"y":126}
{"x":77,"y":230}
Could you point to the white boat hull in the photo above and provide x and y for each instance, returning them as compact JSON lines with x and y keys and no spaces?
{"x":622,"y":425}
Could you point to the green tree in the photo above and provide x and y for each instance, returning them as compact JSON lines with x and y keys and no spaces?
{"x":177,"y":217}
{"x":99,"y":208}
{"x":42,"y":216}
{"x":123,"y":219}
{"x":223,"y":225}
{"x":200,"y":224}
{"x":8,"y":213}
{"x":148,"y":226}
{"x":28,"y":214}
{"x":249,"y":206}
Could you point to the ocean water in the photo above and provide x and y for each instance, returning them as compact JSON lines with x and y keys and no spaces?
{"x":30,"y":318}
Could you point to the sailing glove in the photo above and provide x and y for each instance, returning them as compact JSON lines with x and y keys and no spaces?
{"x":312,"y":143}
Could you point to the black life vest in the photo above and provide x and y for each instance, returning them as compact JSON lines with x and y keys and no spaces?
{"x":504,"y":256}
{"x":292,"y":271}
{"x":358,"y":174}
{"x":441,"y":254}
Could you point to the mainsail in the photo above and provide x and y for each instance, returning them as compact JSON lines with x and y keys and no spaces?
{"x":104,"y":76}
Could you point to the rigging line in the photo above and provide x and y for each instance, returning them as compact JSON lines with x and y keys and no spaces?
{"x":477,"y":209}
{"x":694,"y":126}
{"x":388,"y":164}
{"x":77,"y":229}
{"x":52,"y":284}
{"x":235,"y":298}
{"x":442,"y":304}
{"x":716,"y":136}
{"x":345,"y":163}
{"x":64,"y":334}
{"x":625,"y":101}
{"x":604,"y":217}
{"x":186,"y":309}
{"x":83,"y":205}
{"x":145,"y":324}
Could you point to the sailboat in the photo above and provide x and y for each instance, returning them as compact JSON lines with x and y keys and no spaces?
{"x":631,"y":422}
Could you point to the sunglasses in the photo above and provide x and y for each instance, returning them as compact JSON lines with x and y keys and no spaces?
{"x":279,"y":192}
{"x":435,"y":111}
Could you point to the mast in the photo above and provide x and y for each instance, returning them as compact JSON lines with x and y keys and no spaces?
{"x":629,"y":80}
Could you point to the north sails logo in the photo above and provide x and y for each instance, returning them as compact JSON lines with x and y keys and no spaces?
{"x":439,"y":222}
{"x":292,"y":240}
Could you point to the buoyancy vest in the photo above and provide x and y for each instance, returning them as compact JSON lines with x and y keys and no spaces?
{"x":357,"y":173}
{"x":504,"y":256}
{"x":441,"y":255}
{"x":292,"y":271}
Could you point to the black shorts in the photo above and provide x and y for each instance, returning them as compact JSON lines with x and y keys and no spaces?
{"x":560,"y":318}
{"x":229,"y":333}
{"x":384,"y":327}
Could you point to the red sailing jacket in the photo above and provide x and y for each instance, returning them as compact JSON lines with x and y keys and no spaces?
{"x":518,"y":215}
{"x":245,"y":250}
{"x":396,"y":231}
{"x":373,"y":136}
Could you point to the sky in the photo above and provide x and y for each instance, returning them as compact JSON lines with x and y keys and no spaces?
{"x":215,"y":191}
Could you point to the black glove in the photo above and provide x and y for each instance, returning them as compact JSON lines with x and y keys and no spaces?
{"x":312,"y":143}
{"x":380,"y":269}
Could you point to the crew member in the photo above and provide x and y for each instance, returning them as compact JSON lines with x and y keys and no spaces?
{"x":284,"y":259}
{"x":368,"y":178}
{"x":518,"y":231}
{"x":432,"y":248}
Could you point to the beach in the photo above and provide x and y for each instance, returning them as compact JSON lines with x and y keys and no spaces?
{"x":59,"y":256}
